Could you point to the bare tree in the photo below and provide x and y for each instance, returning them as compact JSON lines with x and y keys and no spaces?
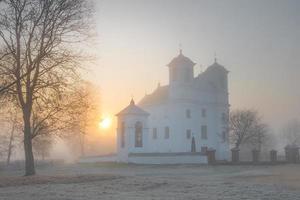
{"x":38,"y":54}
{"x":42,"y":145}
{"x":12,"y":127}
{"x":15,"y":129}
{"x":291,"y":132}
{"x":3,"y":144}
{"x":260,"y":136}
{"x":71,"y":114}
{"x":87,"y":112}
{"x":246,"y":127}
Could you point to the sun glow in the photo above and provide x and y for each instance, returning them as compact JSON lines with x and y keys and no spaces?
{"x":105,"y":123}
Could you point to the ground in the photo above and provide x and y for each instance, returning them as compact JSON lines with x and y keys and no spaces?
{"x":116,"y":181}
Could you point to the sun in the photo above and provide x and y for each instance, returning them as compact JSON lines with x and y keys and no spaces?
{"x":105,"y":123}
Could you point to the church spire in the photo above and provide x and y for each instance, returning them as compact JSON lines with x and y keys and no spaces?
{"x":132,"y":102}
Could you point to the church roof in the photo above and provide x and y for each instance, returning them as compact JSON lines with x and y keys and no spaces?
{"x":132,"y":109}
{"x":160,"y":95}
{"x":181,"y":60}
{"x":217,"y":66}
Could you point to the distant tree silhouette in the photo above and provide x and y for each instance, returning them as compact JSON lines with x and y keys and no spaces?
{"x":291,"y":132}
{"x":12,"y":129}
{"x":84,"y":113}
{"x":245,"y":126}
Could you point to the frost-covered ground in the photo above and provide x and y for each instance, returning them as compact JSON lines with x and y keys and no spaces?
{"x":112,"y":181}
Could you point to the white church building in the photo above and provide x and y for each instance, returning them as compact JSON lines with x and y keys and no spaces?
{"x":179,"y":122}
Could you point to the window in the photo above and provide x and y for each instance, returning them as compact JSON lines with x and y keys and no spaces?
{"x":204,"y":149}
{"x":188,"y":113}
{"x":138,"y":134}
{"x":123,"y":134}
{"x":188,"y":133}
{"x":224,"y":136}
{"x":203,"y":112}
{"x":154,"y":133}
{"x":187,"y":75}
{"x":167,"y":132}
{"x":204,"y":132}
{"x":174,"y":73}
{"x":224,"y":118}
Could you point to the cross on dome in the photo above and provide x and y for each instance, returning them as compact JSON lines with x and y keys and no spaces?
{"x":215,"y":57}
{"x":180,"y":48}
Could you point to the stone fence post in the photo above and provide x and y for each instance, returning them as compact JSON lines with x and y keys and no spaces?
{"x":255,"y":155}
{"x":211,"y":155}
{"x":292,"y":153}
{"x":235,"y":158}
{"x":273,"y":156}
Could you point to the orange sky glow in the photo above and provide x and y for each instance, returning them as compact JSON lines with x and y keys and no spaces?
{"x":136,"y":39}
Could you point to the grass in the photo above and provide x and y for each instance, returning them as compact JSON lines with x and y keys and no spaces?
{"x":105,"y":164}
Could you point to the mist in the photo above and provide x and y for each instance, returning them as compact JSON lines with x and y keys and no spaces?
{"x":139,"y":99}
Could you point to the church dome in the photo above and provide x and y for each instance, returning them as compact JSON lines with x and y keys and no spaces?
{"x":217,"y":67}
{"x":181,"y":60}
{"x":159,"y":96}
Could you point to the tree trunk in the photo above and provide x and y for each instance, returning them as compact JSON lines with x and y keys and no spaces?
{"x":81,"y":141}
{"x":10,"y":146}
{"x":29,"y":160}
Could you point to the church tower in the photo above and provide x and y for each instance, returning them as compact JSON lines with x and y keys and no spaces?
{"x":181,"y":76}
{"x":181,"y":70}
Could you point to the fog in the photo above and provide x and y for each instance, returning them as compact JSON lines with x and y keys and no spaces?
{"x":141,"y":99}
{"x":256,"y":41}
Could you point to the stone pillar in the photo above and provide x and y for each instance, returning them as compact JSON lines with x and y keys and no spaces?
{"x":235,"y":155}
{"x":287,"y":154}
{"x":292,"y":153}
{"x":255,"y":155}
{"x":273,"y":156}
{"x":211,"y":159}
{"x":296,"y":155}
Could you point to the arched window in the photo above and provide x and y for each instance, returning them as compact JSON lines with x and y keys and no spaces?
{"x":138,"y":134}
{"x":123,"y":134}
{"x":154,"y":133}
{"x":188,"y":113}
{"x":188,"y":133}
{"x":203,"y":112}
{"x":204,"y":132}
{"x":167,"y":132}
{"x":224,"y":136}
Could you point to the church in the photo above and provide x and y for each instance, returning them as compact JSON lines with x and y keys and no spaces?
{"x":180,"y":122}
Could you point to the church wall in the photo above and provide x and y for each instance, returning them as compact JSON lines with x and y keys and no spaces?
{"x":208,"y":91}
{"x":174,"y":116}
{"x":221,"y":127}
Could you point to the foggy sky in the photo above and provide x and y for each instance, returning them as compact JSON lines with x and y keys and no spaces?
{"x":258,"y":41}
